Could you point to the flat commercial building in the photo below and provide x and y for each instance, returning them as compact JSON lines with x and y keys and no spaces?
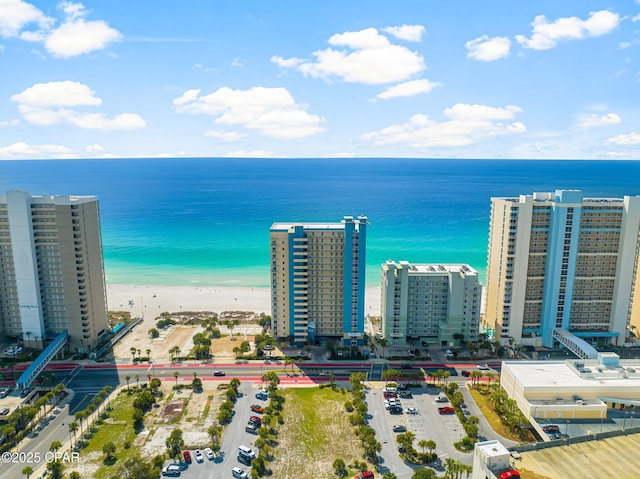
{"x":561,"y":261}
{"x":318,"y":280}
{"x":51,"y":270}
{"x":572,"y":389}
{"x":432,"y":302}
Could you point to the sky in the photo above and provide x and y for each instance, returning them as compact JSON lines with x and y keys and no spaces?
{"x":542,"y":79}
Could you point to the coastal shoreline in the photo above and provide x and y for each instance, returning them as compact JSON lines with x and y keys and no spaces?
{"x":151,"y":300}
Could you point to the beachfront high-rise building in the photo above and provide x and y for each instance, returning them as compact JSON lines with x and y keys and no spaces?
{"x":559,"y":260}
{"x":318,"y":280}
{"x":51,"y":270}
{"x":435,"y":303}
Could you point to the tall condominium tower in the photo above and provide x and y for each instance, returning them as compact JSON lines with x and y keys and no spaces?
{"x":431,"y":302}
{"x":317,"y":280}
{"x":559,"y":260}
{"x":51,"y":269}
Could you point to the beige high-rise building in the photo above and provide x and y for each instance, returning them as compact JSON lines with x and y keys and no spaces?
{"x":559,"y":261}
{"x":435,"y":303}
{"x":51,"y":270}
{"x":318,"y":280}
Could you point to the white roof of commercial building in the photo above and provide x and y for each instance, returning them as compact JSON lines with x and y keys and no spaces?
{"x":314,"y":226}
{"x":433,"y":268}
{"x":565,"y":374}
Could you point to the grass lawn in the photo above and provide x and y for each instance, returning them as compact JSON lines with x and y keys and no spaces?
{"x":112,"y":431}
{"x":316,"y":432}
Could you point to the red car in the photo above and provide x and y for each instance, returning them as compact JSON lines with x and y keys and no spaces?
{"x":258,"y":409}
{"x":187,"y":456}
{"x":255,"y":419}
{"x":446,"y":410}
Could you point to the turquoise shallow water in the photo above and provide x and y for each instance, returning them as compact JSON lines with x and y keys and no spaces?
{"x":206,"y":221}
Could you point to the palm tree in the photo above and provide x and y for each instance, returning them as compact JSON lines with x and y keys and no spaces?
{"x":73,"y":427}
{"x":127,"y":377}
{"x":423,"y":444}
{"x":475,"y":377}
{"x":55,"y":445}
{"x":176,"y":374}
{"x":133,"y":353}
{"x":489,"y":378}
{"x":148,"y":354}
{"x":27,"y":471}
{"x":80,"y":416}
{"x":138,"y":380}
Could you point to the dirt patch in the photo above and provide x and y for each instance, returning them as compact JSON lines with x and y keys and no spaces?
{"x":172,"y":410}
{"x":111,"y":421}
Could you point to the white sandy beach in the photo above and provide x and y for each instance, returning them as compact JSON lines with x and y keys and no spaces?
{"x":154,"y":300}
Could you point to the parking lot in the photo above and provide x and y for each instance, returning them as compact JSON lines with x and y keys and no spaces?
{"x":234,"y":437}
{"x":426,"y":423}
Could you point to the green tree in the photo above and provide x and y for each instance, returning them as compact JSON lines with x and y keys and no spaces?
{"x":55,"y":445}
{"x":55,"y":470}
{"x":389,"y":475}
{"x":214,"y":434}
{"x":196,"y":384}
{"x":339,"y":467}
{"x":27,"y":471}
{"x":109,"y":450}
{"x":154,"y":333}
{"x":127,"y":377}
{"x":175,"y":442}
{"x":75,"y":475}
{"x":424,"y":473}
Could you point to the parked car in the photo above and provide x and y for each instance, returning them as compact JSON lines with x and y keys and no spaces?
{"x":256,"y":420}
{"x":262,"y":395}
{"x":442,"y":399}
{"x":395,"y":410}
{"x":198,"y":455}
{"x":257,"y":408}
{"x":411,"y":410}
{"x":405,"y":394}
{"x":171,"y":470}
{"x":244,"y":460}
{"x":399,"y":428}
{"x":251,"y":428}
{"x":239,"y":473}
{"x":364,"y":475}
{"x":209,"y":453}
{"x":187,"y":457}
{"x":217,"y":372}
{"x":247,"y":452}
{"x":465,"y":373}
{"x":446,"y":410}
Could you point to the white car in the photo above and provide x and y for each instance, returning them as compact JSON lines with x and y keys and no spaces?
{"x":171,"y":470}
{"x":483,"y":367}
{"x":411,"y":410}
{"x":209,"y":453}
{"x":198,"y":455}
{"x":239,"y":473}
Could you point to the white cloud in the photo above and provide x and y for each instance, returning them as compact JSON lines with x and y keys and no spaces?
{"x":373,"y":59}
{"x":487,"y":49}
{"x":270,"y":111}
{"x":95,"y":148}
{"x":22,"y":150}
{"x":594,"y":120}
{"x":75,"y":36}
{"x":224,"y":135}
{"x":636,"y":18}
{"x":463,"y":111}
{"x":238,"y":62}
{"x":13,"y":122}
{"x":55,"y":102}
{"x":467,"y":125}
{"x":628,"y":139}
{"x":409,"y":88}
{"x":57,"y":93}
{"x":547,"y":34}
{"x":410,"y":33}
{"x":250,"y":154}
{"x":16,"y":14}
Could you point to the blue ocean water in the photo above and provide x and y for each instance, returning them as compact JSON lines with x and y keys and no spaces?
{"x":206,"y":221}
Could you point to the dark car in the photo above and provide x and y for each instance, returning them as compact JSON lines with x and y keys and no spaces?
{"x":399,"y":428}
{"x":466,"y":373}
{"x":219,"y":373}
{"x":405,"y":394}
{"x":395,"y":410}
{"x":256,"y":420}
{"x":187,"y":456}
{"x":244,"y":460}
